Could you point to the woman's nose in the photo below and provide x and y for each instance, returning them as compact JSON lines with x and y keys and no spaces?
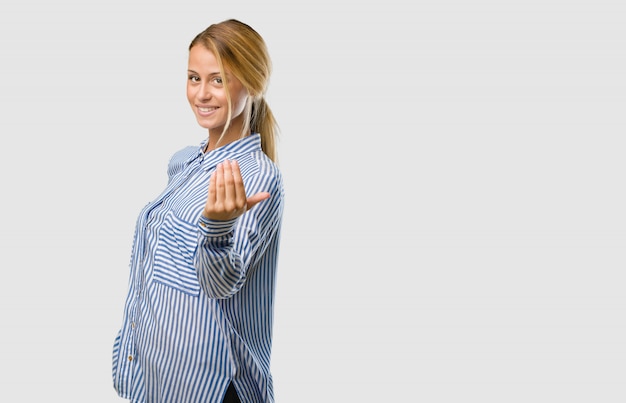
{"x":204,"y":92}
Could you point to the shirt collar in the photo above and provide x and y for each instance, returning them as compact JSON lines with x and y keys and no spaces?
{"x":246,"y":145}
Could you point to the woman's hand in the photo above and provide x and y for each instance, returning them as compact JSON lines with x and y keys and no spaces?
{"x":227,"y":196}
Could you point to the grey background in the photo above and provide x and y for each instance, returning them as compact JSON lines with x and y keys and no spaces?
{"x":455,"y":223}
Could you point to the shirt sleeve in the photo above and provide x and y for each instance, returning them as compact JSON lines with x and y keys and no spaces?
{"x":227,"y":250}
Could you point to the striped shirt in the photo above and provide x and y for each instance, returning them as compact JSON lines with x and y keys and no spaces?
{"x":199,"y":309}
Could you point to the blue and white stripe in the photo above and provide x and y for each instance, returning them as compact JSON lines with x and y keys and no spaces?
{"x":199,"y":309}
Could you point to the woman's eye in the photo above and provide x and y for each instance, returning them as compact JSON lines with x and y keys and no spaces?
{"x":194,"y":79}
{"x":217,"y":80}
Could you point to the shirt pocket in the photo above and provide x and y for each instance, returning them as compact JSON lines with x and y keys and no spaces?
{"x":174,"y":255}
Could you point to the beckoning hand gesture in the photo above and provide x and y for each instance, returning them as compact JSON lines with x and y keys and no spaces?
{"x":227,"y":196}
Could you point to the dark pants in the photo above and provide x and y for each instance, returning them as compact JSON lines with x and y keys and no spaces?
{"x":231,"y":395}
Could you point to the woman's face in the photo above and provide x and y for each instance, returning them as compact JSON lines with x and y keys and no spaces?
{"x":206,"y":92}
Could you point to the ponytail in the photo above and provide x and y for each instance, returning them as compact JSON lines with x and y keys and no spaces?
{"x":262,"y":121}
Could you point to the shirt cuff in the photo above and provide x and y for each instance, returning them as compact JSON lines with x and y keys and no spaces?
{"x":215,"y":228}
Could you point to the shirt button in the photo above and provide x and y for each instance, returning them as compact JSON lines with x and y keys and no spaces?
{"x":132,"y":325}
{"x":130,"y":358}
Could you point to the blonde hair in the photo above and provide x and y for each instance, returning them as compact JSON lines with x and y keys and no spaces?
{"x":243,"y":52}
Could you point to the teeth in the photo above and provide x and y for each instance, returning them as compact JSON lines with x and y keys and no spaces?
{"x":205,"y":109}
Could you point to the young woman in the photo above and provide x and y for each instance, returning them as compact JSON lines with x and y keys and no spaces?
{"x":197,"y":322}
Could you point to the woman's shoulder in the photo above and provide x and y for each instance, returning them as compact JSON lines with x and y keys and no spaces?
{"x":180,"y":158}
{"x":258,"y":162}
{"x":185,"y":153}
{"x":260,"y":172}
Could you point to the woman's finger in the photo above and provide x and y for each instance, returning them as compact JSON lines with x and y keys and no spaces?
{"x":240,"y":191}
{"x":220,"y":191}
